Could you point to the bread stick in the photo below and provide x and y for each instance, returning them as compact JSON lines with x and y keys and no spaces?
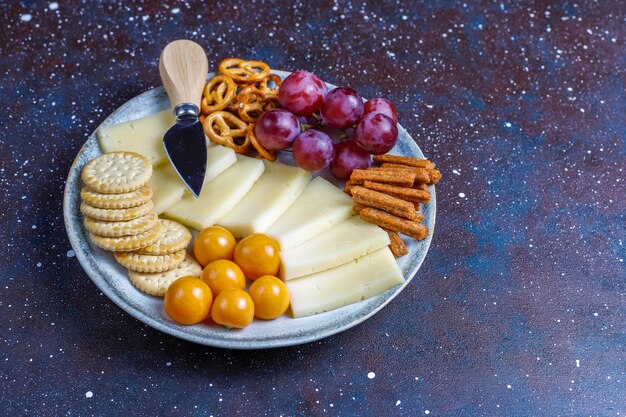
{"x":384,"y":202}
{"x":387,"y":176}
{"x":397,"y":246}
{"x":404,"y":160}
{"x":421,"y":174}
{"x":394,"y":223}
{"x":405,"y":193}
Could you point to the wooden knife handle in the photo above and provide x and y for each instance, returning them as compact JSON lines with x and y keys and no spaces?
{"x":183,"y":67}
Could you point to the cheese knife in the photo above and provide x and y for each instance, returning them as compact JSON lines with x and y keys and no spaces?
{"x":183,"y":67}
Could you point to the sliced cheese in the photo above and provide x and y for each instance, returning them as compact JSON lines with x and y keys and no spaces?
{"x":143,"y":136}
{"x":349,"y":240}
{"x":218,"y":196}
{"x":358,"y":280}
{"x":169,"y":188}
{"x":320,"y":206}
{"x":270,"y":196}
{"x":218,"y":159}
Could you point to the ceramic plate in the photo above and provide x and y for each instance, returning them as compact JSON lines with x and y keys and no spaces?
{"x":112,"y":280}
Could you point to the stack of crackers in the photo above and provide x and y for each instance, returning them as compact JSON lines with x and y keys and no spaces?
{"x":120,"y":217}
{"x":390,"y":195}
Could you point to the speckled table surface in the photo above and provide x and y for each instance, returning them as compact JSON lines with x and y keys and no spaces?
{"x":519,"y":308}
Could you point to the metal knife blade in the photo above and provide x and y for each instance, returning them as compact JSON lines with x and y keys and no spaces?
{"x":183,"y":67}
{"x":186,"y":148}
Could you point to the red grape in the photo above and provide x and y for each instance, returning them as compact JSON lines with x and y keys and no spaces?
{"x":277,"y":129}
{"x":383,"y":106}
{"x":376,"y":133}
{"x":342,"y":108}
{"x":348,"y":156}
{"x":313,"y":150}
{"x":302,"y":93}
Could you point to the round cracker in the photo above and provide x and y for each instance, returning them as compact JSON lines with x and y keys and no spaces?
{"x":134,"y":261}
{"x":174,"y":237}
{"x":116,"y":215}
{"x":158,"y":283}
{"x":117,"y":201}
{"x":121,"y":228}
{"x":127,"y":243}
{"x":117,"y":172}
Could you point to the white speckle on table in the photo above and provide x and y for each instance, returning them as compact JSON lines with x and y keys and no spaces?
{"x":27,"y":17}
{"x":89,"y":394}
{"x":175,"y":10}
{"x":398,"y":403}
{"x":578,"y":363}
{"x":426,"y":411}
{"x":71,"y":253}
{"x":371,"y":375}
{"x":462,"y":195}
{"x":53,"y":6}
{"x":509,"y":386}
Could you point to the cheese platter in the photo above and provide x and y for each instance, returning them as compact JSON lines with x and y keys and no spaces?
{"x":339,"y":269}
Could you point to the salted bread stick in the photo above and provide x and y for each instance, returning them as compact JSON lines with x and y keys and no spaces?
{"x":421,"y":174}
{"x":397,"y":224}
{"x":384,"y":202}
{"x":435,"y":176}
{"x":405,"y":178}
{"x":397,"y":246}
{"x":405,"y":193}
{"x":404,"y":160}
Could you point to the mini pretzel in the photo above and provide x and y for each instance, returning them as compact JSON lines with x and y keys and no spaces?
{"x":265,"y":89}
{"x":225,"y":128}
{"x":244,"y":71}
{"x":218,"y":93}
{"x":263,"y":153}
{"x":251,"y":103}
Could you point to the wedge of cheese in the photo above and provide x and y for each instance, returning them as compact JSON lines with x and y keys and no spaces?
{"x":270,"y":196}
{"x":320,"y":207}
{"x":169,"y":188}
{"x":358,"y":280}
{"x":349,"y":240}
{"x":143,"y":136}
{"x":218,"y":196}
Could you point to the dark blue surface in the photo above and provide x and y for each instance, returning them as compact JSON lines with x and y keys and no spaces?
{"x":519,"y":308}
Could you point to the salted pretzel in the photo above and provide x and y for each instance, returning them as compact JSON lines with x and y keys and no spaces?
{"x":266,"y":89}
{"x":226,"y":129}
{"x":218,"y":93}
{"x":244,"y":71}
{"x":263,"y":153}
{"x":251,"y":103}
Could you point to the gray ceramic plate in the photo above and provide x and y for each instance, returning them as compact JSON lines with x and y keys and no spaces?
{"x":112,"y":280}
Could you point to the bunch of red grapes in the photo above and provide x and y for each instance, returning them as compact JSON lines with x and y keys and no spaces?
{"x":311,"y":117}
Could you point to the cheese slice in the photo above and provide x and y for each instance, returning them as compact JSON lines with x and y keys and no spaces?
{"x":355,"y":281}
{"x":320,"y":206}
{"x":169,"y":188}
{"x":349,"y":240}
{"x":218,"y":196}
{"x":270,"y":196}
{"x":143,"y":136}
{"x":218,"y":159}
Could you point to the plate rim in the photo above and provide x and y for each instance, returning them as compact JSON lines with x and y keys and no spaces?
{"x":74,"y":233}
